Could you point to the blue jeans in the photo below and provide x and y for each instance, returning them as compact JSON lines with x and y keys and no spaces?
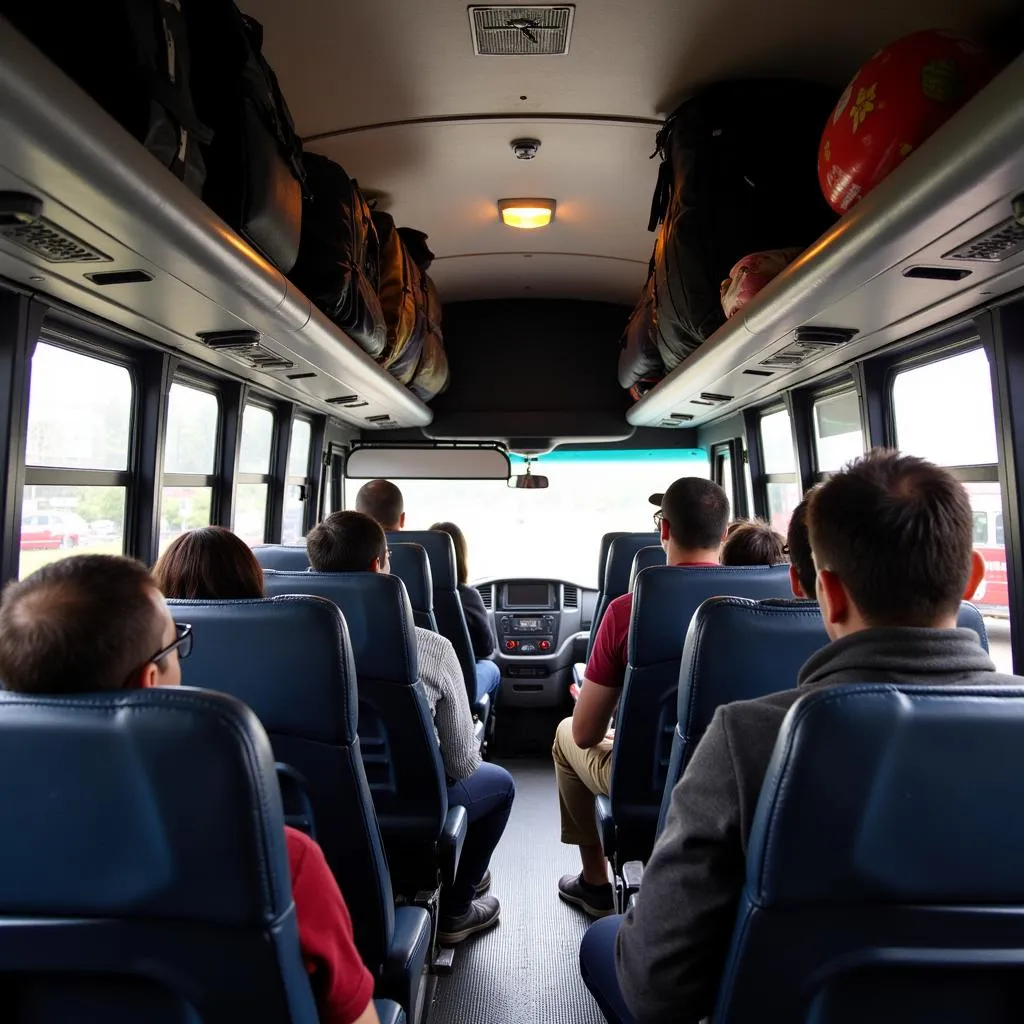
{"x":597,"y":965}
{"x":488,"y":678}
{"x":487,"y":796}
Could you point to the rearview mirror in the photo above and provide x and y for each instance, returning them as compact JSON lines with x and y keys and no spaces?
{"x":529,"y":481}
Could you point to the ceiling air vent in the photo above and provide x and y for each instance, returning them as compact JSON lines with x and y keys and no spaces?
{"x":521,"y":31}
{"x":487,"y":596}
{"x":997,"y":244}
{"x":50,"y":242}
{"x":571,"y":597}
{"x":245,"y":347}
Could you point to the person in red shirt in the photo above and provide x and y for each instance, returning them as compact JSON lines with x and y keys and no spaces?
{"x":98,"y":622}
{"x":692,"y":518}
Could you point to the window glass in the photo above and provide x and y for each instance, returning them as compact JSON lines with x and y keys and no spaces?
{"x":782,"y":499}
{"x":191,"y":443}
{"x":251,"y":513}
{"x":553,"y":533}
{"x":724,"y":474}
{"x":257,"y":439}
{"x":838,"y":437}
{"x":60,"y":521}
{"x":993,"y":595}
{"x":298,"y":451}
{"x":183,"y":509}
{"x":980,"y":527}
{"x":999,"y":529}
{"x":777,"y":443}
{"x":79,"y":411}
{"x":328,"y":501}
{"x":294,"y":509}
{"x":944,"y":413}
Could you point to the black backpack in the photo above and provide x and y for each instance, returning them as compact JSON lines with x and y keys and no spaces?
{"x":739,"y":175}
{"x":338,"y":266}
{"x":254,"y":162}
{"x":133,"y":58}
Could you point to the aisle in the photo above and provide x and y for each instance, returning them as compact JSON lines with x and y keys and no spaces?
{"x":526,"y":970}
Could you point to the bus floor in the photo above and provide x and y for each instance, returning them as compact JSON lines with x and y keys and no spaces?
{"x":526,"y":970}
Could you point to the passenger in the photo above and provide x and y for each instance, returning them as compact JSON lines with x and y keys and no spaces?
{"x":98,"y":622}
{"x":692,"y":520}
{"x":892,"y":543}
{"x":481,"y":632}
{"x":353,"y":542}
{"x":735,"y":524}
{"x":383,"y":501}
{"x":753,"y":543}
{"x":208,"y":564}
{"x":798,"y":547}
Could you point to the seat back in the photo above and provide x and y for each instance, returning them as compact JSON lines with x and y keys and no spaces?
{"x":282,"y":556}
{"x":396,"y":729}
{"x":145,"y":870}
{"x":969,"y":617}
{"x":883,"y":878}
{"x":736,"y":649}
{"x":646,"y":558}
{"x":664,"y":601}
{"x":290,"y":660}
{"x":410,"y":564}
{"x":451,"y":620}
{"x":617,"y":553}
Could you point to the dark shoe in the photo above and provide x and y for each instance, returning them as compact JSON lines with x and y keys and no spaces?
{"x":482,"y":914}
{"x":593,"y":900}
{"x":484,"y":884}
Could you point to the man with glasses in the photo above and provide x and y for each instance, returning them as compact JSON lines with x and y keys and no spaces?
{"x":98,"y":622}
{"x":692,"y":518}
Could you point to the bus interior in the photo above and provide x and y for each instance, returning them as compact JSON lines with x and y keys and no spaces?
{"x":158,"y":373}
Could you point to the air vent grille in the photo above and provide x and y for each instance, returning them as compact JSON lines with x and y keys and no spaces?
{"x":521,"y":31}
{"x":246,"y":348}
{"x":487,"y":596}
{"x":998,"y":244}
{"x":571,"y":597}
{"x":49,"y":242}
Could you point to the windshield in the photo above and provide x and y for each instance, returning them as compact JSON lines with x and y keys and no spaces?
{"x":553,"y":533}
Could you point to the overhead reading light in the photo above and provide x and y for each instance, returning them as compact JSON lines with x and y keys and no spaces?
{"x":527,"y":213}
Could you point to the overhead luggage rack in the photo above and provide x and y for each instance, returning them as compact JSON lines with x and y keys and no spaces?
{"x":186,"y":274}
{"x":956,"y":204}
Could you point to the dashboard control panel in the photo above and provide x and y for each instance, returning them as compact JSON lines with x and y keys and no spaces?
{"x":527,"y":634}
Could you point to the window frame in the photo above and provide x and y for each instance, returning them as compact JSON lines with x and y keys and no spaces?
{"x":847,"y":386}
{"x":305,"y":482}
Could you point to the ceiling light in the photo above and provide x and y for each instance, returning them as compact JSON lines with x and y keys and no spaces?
{"x":527,"y":213}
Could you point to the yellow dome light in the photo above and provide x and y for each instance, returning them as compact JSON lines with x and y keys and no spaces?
{"x":527,"y":213}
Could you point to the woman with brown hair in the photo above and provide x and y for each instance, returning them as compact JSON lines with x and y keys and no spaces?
{"x":481,"y":633}
{"x":209,"y":564}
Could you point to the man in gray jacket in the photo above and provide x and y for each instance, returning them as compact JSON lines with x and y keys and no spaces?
{"x":891,"y":537}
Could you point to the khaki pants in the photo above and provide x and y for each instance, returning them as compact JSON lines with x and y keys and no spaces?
{"x":581,"y":774}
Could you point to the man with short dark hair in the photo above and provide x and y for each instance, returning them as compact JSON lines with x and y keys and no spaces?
{"x":383,"y":501}
{"x":354,"y":542}
{"x":798,"y":546}
{"x":891,"y":537}
{"x":692,"y":518}
{"x":98,"y":622}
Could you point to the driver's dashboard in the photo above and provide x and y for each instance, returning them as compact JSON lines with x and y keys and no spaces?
{"x":540,"y":625}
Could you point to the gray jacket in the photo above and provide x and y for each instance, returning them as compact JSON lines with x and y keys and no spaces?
{"x":672,"y":946}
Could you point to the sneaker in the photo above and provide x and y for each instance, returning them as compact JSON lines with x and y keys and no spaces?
{"x":484,"y":884}
{"x":593,"y":900}
{"x":482,"y":914}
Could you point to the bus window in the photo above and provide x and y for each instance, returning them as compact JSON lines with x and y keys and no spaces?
{"x":553,"y":533}
{"x":980,"y":528}
{"x":254,"y":474}
{"x":190,"y":451}
{"x":838,"y":437}
{"x":779,"y":464}
{"x":293,"y":527}
{"x":79,"y":437}
{"x":723,"y":474}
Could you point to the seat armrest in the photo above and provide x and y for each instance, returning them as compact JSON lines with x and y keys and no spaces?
{"x":577,"y":672}
{"x":482,"y":708}
{"x":403,"y":972}
{"x":605,"y":824}
{"x":478,"y":731}
{"x":632,"y":876}
{"x":295,"y":801}
{"x":453,"y":835}
{"x":389,"y":1012}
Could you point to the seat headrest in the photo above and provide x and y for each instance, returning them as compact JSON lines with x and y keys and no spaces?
{"x":410,"y":564}
{"x":621,"y":552}
{"x":440,"y":549}
{"x":376,"y":610}
{"x":665,"y":598}
{"x":289,"y":658}
{"x":646,"y":558}
{"x":885,"y":794}
{"x":739,"y":649}
{"x":158,"y":803}
{"x":971,"y":618}
{"x":281,"y":556}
